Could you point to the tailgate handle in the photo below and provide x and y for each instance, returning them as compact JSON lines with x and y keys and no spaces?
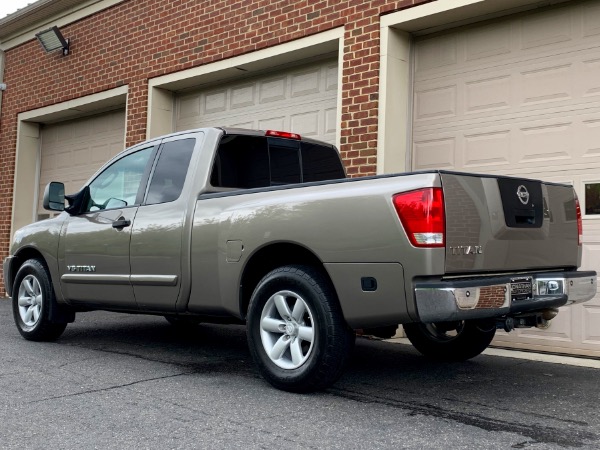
{"x":121,"y":223}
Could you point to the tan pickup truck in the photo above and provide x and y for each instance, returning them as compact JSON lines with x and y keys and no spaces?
{"x":227,"y":225}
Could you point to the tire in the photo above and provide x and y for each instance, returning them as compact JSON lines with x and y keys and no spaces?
{"x":451,"y":341}
{"x":33,"y":296}
{"x":297,"y":335}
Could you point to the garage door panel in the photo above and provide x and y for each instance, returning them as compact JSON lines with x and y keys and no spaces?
{"x":72,"y":151}
{"x":591,"y":19}
{"x":302,"y":100}
{"x":547,"y":83}
{"x":486,"y":94}
{"x":488,"y":149}
{"x":547,"y":145}
{"x":435,"y":153}
{"x":305,"y":83}
{"x":435,"y":103}
{"x":591,"y":324}
{"x":519,"y":96}
{"x":489,"y":41}
{"x":272,"y":90}
{"x":188,"y":107}
{"x":243,"y":96}
{"x":214,"y":102}
{"x":547,"y":29}
{"x":271,"y":123}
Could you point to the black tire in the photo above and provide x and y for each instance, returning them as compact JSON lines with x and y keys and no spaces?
{"x":32,"y":316}
{"x":305,"y":365}
{"x":451,"y":341}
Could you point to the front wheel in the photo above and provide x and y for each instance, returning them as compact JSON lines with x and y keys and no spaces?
{"x":451,"y":341}
{"x":296,"y":331}
{"x":33,"y":297}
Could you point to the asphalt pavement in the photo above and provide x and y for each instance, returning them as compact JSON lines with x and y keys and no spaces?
{"x":127,"y":381}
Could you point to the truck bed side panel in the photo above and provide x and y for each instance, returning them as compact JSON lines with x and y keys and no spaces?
{"x":341,"y":223}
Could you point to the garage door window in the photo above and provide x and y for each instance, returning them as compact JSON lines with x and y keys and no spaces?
{"x":592,"y":199}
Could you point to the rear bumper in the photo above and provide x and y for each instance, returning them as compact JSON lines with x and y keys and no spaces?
{"x":488,"y":297}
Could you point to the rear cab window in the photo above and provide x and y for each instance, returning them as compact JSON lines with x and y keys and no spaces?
{"x":245,"y":162}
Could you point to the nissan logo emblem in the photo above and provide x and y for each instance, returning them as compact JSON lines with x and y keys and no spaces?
{"x":523,"y":194}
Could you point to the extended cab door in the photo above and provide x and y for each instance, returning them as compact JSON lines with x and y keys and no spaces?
{"x":94,"y":243}
{"x":160,"y":239}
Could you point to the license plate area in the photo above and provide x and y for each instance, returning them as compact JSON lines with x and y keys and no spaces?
{"x":520,"y":288}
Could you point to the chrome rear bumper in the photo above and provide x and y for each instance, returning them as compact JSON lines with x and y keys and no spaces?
{"x":487,"y":297}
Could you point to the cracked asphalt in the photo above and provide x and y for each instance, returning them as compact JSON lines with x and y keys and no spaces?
{"x":126,"y":381}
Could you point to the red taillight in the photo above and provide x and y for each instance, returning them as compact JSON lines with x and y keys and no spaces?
{"x":422,"y":215}
{"x":579,"y":222}
{"x":283,"y":134}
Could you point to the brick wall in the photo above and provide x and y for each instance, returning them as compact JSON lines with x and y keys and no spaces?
{"x":141,"y":39}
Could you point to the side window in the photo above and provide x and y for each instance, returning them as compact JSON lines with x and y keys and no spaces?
{"x":170,"y":171}
{"x":117,"y":186}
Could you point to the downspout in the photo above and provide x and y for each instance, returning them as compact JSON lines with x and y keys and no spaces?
{"x":2,"y":85}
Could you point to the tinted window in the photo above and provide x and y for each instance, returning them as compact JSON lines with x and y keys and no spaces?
{"x":245,"y":162}
{"x":241,"y":162}
{"x":170,"y":171}
{"x":320,"y":163}
{"x":285,"y":161}
{"x":117,"y":186}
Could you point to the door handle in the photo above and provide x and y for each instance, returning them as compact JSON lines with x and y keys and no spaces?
{"x":121,"y":223}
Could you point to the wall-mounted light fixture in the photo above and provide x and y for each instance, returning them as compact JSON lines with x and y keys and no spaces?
{"x":52,"y":39}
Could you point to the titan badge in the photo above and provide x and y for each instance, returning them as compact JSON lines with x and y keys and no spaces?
{"x":81,"y":268}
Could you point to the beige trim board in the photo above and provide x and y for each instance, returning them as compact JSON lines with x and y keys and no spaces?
{"x":452,"y":13}
{"x":78,"y":107}
{"x":162,"y":89}
{"x":395,"y":88}
{"x":28,"y":157}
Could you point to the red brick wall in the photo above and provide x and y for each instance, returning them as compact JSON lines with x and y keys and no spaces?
{"x":141,"y":39}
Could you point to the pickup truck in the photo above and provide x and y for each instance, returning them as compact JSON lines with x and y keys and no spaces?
{"x":263,"y":228}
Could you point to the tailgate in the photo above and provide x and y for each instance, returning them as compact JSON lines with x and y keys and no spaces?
{"x":497,"y":224}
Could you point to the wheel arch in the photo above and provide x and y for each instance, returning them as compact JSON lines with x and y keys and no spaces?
{"x":269,"y":257}
{"x":58,"y":313}
{"x":22,"y":255}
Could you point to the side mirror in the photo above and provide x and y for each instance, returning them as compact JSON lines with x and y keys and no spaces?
{"x":54,"y":196}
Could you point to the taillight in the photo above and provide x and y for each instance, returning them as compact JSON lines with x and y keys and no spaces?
{"x":283,"y":134}
{"x":579,"y":223}
{"x":422,"y":215}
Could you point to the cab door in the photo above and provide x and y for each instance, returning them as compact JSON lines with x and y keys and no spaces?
{"x":159,"y":245}
{"x":94,"y":244}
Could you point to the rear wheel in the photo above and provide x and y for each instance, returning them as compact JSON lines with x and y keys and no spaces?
{"x":451,"y":341}
{"x":296,"y":332}
{"x":33,"y":297}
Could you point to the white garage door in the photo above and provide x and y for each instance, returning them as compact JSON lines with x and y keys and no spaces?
{"x":302,"y":100}
{"x":72,"y":151}
{"x":520,"y":96}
